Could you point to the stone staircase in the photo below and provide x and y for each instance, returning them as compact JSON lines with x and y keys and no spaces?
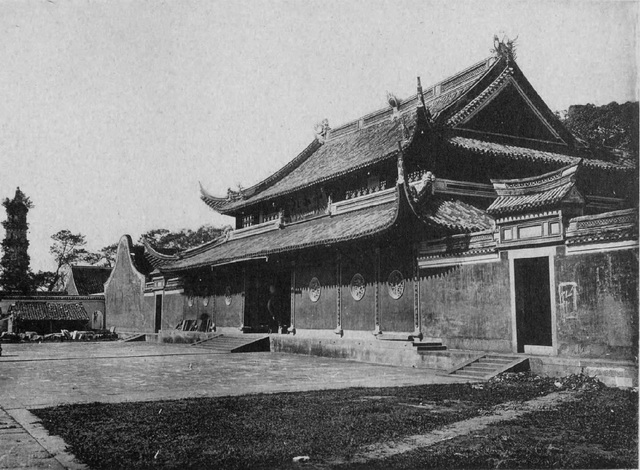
{"x":424,"y":347}
{"x":225,"y":343}
{"x":133,"y":338}
{"x":485,"y":366}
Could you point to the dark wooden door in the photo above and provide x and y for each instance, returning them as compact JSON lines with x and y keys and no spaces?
{"x":533,"y":302}
{"x":158,"y":322}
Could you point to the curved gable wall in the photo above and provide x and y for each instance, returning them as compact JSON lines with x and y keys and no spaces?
{"x":124,"y":294}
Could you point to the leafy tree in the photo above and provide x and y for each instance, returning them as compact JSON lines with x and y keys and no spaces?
{"x":67,"y":248}
{"x":15,"y":259}
{"x":612,"y":125}
{"x":184,"y":239}
{"x":108,"y":254}
{"x":42,"y":280}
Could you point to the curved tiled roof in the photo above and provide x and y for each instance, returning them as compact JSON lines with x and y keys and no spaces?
{"x":451,"y":214}
{"x":354,"y":145}
{"x":538,"y":192}
{"x":336,"y":157}
{"x":457,"y":216}
{"x":320,"y":231}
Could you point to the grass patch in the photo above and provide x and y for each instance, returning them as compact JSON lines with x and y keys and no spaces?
{"x":267,"y":431}
{"x":598,"y":430}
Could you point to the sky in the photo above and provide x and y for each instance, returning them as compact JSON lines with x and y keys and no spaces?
{"x":113,"y":111}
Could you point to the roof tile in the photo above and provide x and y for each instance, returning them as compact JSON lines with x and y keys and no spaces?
{"x":323,"y":230}
{"x":48,"y":311}
{"x":524,"y":153}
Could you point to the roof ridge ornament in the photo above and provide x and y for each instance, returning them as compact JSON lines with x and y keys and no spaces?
{"x":322,"y":130}
{"x":400,"y":179}
{"x":421,"y":103}
{"x":504,"y":48}
{"x":394,"y":102}
{"x":235,"y":195}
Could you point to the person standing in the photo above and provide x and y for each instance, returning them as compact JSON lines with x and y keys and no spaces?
{"x":272,"y":308}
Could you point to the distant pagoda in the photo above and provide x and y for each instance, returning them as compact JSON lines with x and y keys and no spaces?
{"x":15,"y":258}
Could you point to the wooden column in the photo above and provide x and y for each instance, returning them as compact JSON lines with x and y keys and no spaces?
{"x":242,"y":298}
{"x":417,"y":329}
{"x":292,"y":327}
{"x":214,"y":309}
{"x":338,"y":329}
{"x":377,"y":330}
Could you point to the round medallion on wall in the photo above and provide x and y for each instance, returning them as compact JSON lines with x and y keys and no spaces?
{"x":396,"y":284}
{"x":205,"y":301}
{"x":190,"y":301}
{"x":314,"y":289}
{"x":357,"y":287}
{"x":227,"y":296}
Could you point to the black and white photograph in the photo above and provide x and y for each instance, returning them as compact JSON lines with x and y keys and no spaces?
{"x":283,"y":234}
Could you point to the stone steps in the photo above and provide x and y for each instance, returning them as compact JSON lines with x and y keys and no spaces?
{"x":235,"y":344}
{"x":489,"y":365}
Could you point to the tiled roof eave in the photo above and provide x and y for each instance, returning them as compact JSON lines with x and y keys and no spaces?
{"x":417,"y":121}
{"x":225,"y":207}
{"x":399,"y":203}
{"x":368,"y":164}
{"x":435,"y":221}
{"x":155,"y":258}
{"x":602,"y":236}
{"x":474,"y":146}
{"x":520,"y":208}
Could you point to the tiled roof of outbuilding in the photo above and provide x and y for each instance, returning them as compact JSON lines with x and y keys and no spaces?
{"x":48,"y":311}
{"x":537,"y":192}
{"x":90,"y":279}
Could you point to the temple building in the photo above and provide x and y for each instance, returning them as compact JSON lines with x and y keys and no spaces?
{"x":464,"y":220}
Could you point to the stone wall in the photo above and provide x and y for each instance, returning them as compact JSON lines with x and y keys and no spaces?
{"x":321,"y":313}
{"x":467,"y":306}
{"x":597,"y":305}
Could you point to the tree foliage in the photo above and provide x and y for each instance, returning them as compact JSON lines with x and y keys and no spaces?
{"x":184,"y":239}
{"x":67,"y":248}
{"x":108,"y":254}
{"x":612,"y":125}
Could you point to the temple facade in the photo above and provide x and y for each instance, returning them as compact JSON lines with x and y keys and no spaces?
{"x":465,"y":215}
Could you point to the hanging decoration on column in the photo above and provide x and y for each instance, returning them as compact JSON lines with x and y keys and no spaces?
{"x":357,"y":287}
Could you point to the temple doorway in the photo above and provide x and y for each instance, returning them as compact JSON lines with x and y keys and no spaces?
{"x":158,"y":322}
{"x":267,"y":288}
{"x":532,"y":302}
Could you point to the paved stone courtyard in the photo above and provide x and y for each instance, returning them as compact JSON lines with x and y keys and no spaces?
{"x":49,"y":374}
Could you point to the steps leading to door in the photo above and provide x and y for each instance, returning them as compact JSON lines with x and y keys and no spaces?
{"x":235,"y":343}
{"x":485,"y":366}
{"x":428,"y":346}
